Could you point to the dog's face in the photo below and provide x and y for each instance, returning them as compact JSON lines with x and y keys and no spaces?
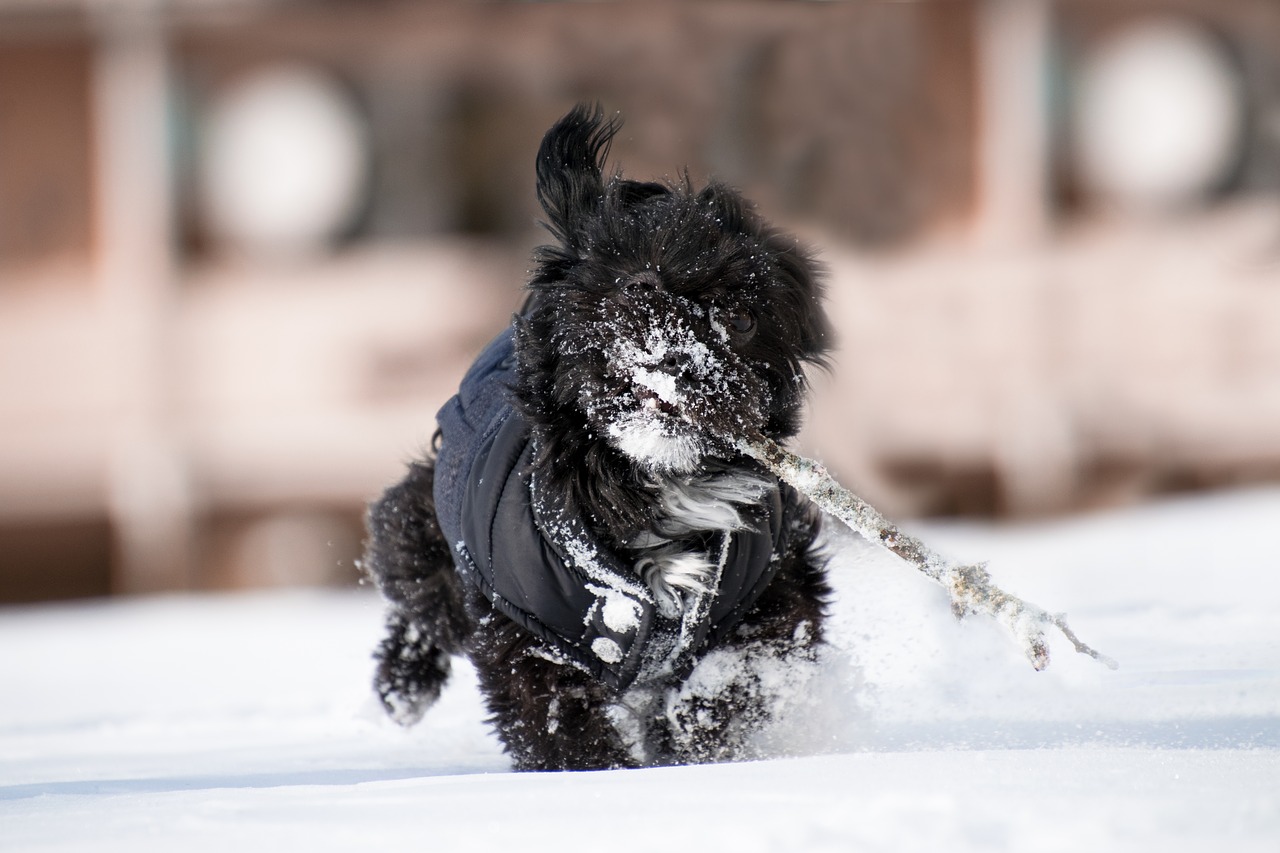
{"x":669,"y":321}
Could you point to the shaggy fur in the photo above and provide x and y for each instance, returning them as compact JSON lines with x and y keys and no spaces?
{"x":662,"y":322}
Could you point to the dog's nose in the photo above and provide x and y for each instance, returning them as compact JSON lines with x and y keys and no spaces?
{"x":673,"y":363}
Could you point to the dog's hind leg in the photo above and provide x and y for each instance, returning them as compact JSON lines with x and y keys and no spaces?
{"x":407,"y":557}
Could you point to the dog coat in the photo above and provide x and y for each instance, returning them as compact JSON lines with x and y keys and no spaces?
{"x":545,"y":569}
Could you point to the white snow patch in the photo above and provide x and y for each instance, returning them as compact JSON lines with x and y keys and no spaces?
{"x":208,"y":723}
{"x":660,"y":383}
{"x":607,"y":650}
{"x":620,"y":613}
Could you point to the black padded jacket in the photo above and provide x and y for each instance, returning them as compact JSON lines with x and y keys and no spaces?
{"x":546,"y":570}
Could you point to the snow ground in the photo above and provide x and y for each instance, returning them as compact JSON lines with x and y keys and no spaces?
{"x":244,"y":722}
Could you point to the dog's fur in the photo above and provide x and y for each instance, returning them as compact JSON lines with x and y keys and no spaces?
{"x":663,"y":322}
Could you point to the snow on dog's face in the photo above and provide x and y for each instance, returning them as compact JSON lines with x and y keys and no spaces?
{"x":668,"y":320}
{"x":664,"y":371}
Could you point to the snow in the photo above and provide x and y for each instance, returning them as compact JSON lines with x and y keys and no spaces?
{"x":245,"y":721}
{"x":620,"y":613}
{"x":673,"y":375}
{"x":607,"y":650}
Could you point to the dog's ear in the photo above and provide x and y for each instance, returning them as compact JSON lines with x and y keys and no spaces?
{"x":569,"y":168}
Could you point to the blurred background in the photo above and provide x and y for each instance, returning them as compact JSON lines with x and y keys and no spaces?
{"x":247,"y":247}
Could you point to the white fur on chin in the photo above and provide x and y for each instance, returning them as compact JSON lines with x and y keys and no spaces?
{"x":646,"y":442}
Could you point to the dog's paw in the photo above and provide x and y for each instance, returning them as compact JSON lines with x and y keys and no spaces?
{"x":410,"y":675}
{"x":731,"y":704}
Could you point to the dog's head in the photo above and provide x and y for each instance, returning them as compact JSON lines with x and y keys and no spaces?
{"x":667,"y":321}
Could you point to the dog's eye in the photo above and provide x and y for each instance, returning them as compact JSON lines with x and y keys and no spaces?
{"x":739,"y":320}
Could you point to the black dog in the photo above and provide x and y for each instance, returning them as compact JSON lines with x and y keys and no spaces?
{"x":630,"y":588}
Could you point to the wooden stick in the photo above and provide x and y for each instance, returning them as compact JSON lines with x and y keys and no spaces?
{"x":969,"y":586}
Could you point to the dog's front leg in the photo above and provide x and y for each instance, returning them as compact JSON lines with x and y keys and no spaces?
{"x":408,"y":559}
{"x":550,"y":716}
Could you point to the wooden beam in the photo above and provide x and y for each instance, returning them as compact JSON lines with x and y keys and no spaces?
{"x":148,"y":495}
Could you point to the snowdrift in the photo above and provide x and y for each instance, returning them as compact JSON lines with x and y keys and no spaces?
{"x":245,"y":721}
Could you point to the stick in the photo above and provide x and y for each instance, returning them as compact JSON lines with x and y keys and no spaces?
{"x":969,"y":586}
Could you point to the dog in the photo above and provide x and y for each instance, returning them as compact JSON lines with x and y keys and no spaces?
{"x":631,"y":589}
